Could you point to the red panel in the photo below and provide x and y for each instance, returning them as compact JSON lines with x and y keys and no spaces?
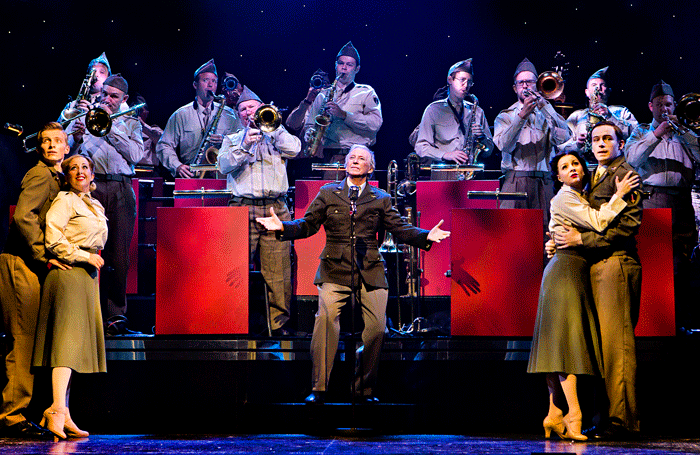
{"x":434,"y":201}
{"x":657,"y":312}
{"x":496,"y":271}
{"x":308,"y":250}
{"x":198,"y":184}
{"x":132,"y":276}
{"x":202,"y":270}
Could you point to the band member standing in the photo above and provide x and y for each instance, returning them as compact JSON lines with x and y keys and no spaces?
{"x":354,"y":110}
{"x":94,"y":89}
{"x":231,"y":88}
{"x":178,"y":146}
{"x":666,"y":158}
{"x":255,"y":166}
{"x":332,"y":209}
{"x":23,"y":268}
{"x":528,"y":133}
{"x":114,"y":157}
{"x":455,"y":129}
{"x":151,"y":135}
{"x":296,"y":119}
{"x":580,"y":121}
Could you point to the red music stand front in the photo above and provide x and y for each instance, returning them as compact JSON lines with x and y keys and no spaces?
{"x":198,"y":184}
{"x":496,"y":271}
{"x":657,"y":315}
{"x":434,"y":201}
{"x":309,"y":250}
{"x":202,"y":271}
{"x":132,"y":276}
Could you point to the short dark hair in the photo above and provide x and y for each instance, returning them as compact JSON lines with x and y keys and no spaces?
{"x":618,"y":131}
{"x":554,"y":168}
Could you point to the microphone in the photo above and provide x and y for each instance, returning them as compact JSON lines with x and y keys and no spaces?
{"x":353,"y":195}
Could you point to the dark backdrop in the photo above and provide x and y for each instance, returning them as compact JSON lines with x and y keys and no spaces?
{"x":275,"y":45}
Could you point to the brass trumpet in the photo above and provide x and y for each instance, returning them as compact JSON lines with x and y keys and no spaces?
{"x":688,"y":111}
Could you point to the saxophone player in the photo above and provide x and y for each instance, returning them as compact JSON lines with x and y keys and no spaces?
{"x":455,"y":129}
{"x":581,"y":121}
{"x":91,"y":89}
{"x":178,"y":146}
{"x":354,"y":110}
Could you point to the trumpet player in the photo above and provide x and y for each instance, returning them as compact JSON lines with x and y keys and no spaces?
{"x":354,"y":110}
{"x":597,"y":91}
{"x":114,"y":156}
{"x":91,"y":89}
{"x":255,"y":164}
{"x":455,"y":127}
{"x":178,"y":146}
{"x":666,"y":156}
{"x":231,"y":88}
{"x":528,"y":133}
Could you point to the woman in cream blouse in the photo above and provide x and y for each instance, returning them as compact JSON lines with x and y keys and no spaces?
{"x":565,"y":342}
{"x":70,"y":334}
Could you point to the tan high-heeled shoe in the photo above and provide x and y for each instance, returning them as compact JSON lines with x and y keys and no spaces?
{"x":72,"y":429}
{"x":54,"y":420}
{"x":550,"y":424}
{"x":573,"y":428}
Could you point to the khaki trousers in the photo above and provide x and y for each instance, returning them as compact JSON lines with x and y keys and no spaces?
{"x":616,"y":283}
{"x":20,"y":293}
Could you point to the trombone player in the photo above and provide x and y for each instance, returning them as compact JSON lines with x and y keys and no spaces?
{"x":455,"y":129}
{"x":254,"y":160}
{"x":666,"y":155}
{"x":528,"y":133}
{"x":114,"y":155}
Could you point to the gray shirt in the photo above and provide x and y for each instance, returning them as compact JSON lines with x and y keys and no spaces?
{"x":184,"y":132}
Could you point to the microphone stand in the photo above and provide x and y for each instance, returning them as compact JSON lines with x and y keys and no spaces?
{"x":353,"y":195}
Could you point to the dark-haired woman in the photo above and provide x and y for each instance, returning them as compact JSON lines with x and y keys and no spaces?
{"x":565,"y":342}
{"x":70,"y":334}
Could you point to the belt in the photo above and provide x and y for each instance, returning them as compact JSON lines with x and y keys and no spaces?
{"x":257,"y":201}
{"x":112,"y":177}
{"x":536,"y":174}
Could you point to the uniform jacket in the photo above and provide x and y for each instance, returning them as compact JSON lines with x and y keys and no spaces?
{"x":331,"y":209}
{"x":40,"y":186}
{"x":619,"y":237}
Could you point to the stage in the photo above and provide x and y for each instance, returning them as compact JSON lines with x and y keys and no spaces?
{"x":427,"y":385}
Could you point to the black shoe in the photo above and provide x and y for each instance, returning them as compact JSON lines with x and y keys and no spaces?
{"x":116,"y":326}
{"x":617,"y":432}
{"x":594,"y":432}
{"x":316,"y":398}
{"x":27,"y":430}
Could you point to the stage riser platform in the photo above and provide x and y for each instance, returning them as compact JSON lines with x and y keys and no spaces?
{"x":454,"y":386}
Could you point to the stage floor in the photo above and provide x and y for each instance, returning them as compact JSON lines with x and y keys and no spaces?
{"x":427,"y":385}
{"x":367,"y":444}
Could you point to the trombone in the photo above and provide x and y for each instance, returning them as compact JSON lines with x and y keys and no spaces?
{"x":550,"y":85}
{"x":98,"y":122}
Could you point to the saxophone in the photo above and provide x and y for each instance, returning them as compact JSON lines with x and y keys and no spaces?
{"x":322,"y":121}
{"x":471,"y":147}
{"x":206,"y":157}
